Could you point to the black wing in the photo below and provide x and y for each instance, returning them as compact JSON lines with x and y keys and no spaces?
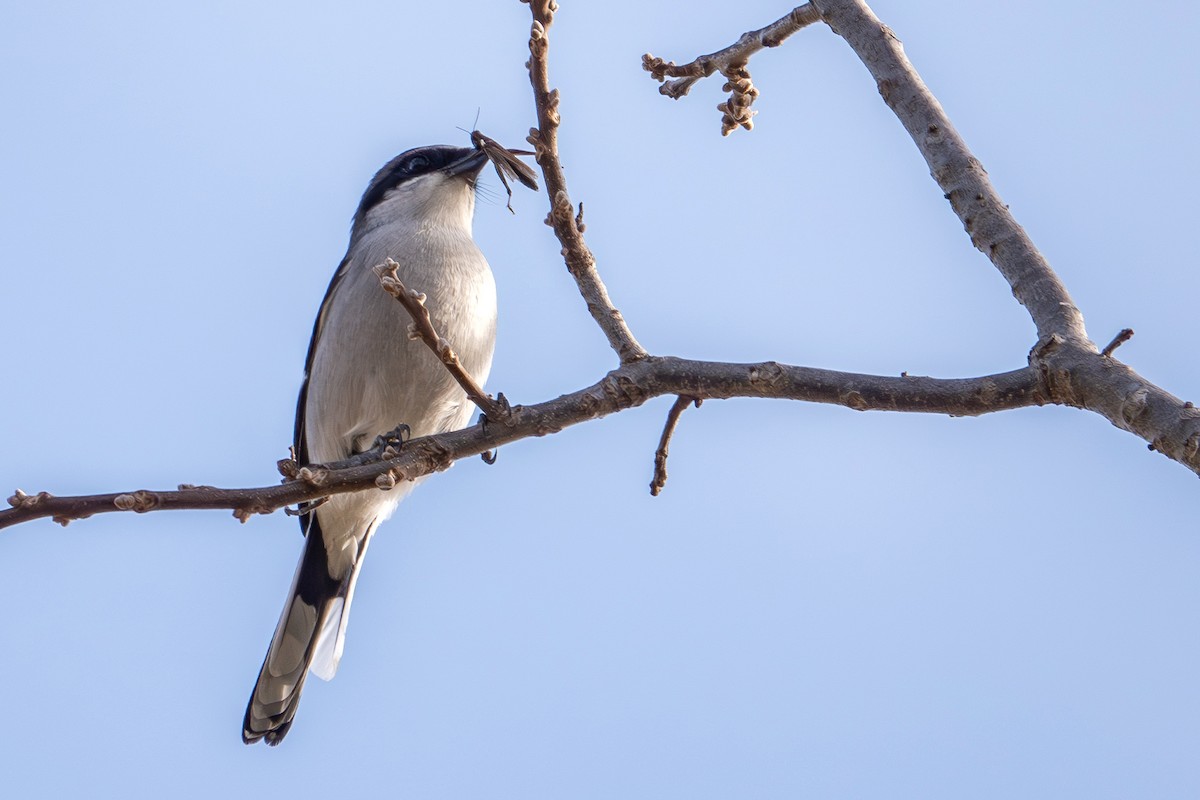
{"x":298,"y":439}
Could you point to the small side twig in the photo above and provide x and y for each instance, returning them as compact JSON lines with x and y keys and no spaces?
{"x":731,"y":63}
{"x":1123,"y":336}
{"x":422,"y":328}
{"x":664,"y":442}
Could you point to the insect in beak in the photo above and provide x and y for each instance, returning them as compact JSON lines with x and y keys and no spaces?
{"x":507,"y":163}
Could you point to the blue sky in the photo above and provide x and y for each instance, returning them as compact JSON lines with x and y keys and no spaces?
{"x":822,"y":603}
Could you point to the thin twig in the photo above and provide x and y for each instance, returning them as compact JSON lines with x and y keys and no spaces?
{"x":664,"y":442}
{"x":422,"y":328}
{"x":580,"y":261}
{"x":731,"y":63}
{"x":1123,"y":336}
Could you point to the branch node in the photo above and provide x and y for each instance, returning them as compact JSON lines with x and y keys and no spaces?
{"x":21,"y":500}
{"x":542,"y":9}
{"x":139,"y":502}
{"x":855,"y":400}
{"x":1135,"y":405}
{"x":537,"y":37}
{"x":768,"y":374}
{"x":540,"y":149}
{"x":560,"y":209}
{"x":313,"y":476}
{"x":1047,"y":345}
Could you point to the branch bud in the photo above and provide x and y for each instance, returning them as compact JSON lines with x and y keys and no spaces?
{"x":140,"y":501}
{"x":313,"y":476}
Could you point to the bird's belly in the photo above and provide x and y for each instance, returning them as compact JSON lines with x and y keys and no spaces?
{"x":368,"y":376}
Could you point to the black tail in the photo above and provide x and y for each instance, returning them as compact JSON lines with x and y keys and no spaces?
{"x":311,"y":623}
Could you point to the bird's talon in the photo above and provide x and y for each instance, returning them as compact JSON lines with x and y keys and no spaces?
{"x":396,"y":438}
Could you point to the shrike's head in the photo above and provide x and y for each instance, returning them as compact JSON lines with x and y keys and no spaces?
{"x":432,"y":185}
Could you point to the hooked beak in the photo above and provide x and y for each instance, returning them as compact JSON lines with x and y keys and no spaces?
{"x":470,"y":163}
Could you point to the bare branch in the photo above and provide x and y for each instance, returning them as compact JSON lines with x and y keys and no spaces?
{"x":626,"y":387}
{"x":664,"y":442}
{"x":964,"y":181}
{"x":581,"y":263}
{"x":731,"y":63}
{"x":1074,"y":372}
{"x":414,"y":303}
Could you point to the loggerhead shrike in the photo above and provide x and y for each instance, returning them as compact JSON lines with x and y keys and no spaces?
{"x":363,"y":377}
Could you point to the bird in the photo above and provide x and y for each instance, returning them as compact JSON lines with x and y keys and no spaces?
{"x":363,"y":377}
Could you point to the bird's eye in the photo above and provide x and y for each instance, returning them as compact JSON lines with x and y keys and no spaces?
{"x":416,"y":164}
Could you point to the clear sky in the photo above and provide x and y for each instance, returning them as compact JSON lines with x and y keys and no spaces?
{"x":823,"y":603}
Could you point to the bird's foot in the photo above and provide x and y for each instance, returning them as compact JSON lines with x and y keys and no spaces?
{"x":489,"y":456}
{"x":393,"y":441}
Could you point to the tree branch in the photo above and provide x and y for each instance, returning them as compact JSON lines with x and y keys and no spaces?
{"x":731,"y":62}
{"x":628,"y":386}
{"x":1064,"y":368}
{"x":986,"y":218}
{"x":1073,"y":371}
{"x":567,"y":225}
